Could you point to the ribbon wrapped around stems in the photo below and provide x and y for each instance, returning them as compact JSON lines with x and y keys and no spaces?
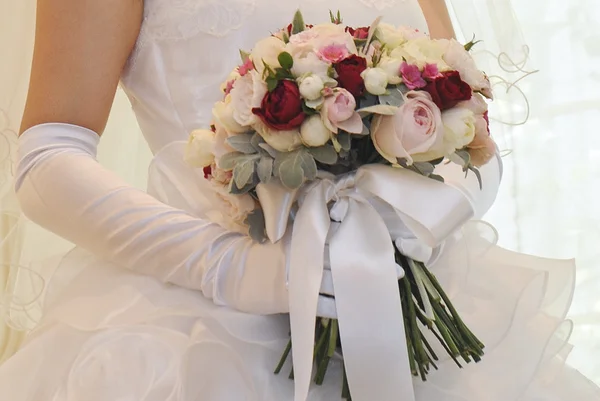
{"x":362,"y":262}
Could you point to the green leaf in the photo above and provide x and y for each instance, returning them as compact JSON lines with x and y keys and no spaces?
{"x":256,"y":141}
{"x":272,"y":83}
{"x":247,"y":188}
{"x":242,"y":143}
{"x":324,"y":154}
{"x":291,"y":173}
{"x":256,"y":225}
{"x":285,"y":60}
{"x":309,"y":166}
{"x":270,"y":150}
{"x":423,"y":168}
{"x":244,"y":56}
{"x":471,"y":43}
{"x":298,"y":24}
{"x":242,"y":172}
{"x":264,"y":169}
{"x":345,"y":140}
{"x":436,"y":177}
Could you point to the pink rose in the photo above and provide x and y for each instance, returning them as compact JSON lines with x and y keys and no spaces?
{"x":415,"y":128}
{"x":412,"y":76}
{"x":339,"y":112}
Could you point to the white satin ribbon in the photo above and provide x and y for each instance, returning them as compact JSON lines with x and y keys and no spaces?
{"x":363,"y":269}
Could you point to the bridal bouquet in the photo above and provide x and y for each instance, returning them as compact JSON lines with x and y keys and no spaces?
{"x":312,"y":103}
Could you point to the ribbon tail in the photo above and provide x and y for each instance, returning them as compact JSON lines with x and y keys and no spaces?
{"x":305,"y":276}
{"x":369,"y":309}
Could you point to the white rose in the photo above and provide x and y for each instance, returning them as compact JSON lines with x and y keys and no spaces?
{"x":311,"y":87}
{"x":460,"y":60}
{"x":267,"y":51}
{"x":310,"y":64}
{"x":223,"y":115}
{"x":313,"y":132}
{"x":390,"y":36}
{"x":459,"y":128}
{"x":247,"y":94}
{"x":376,"y":80}
{"x":199,"y":149}
{"x":391,"y":66}
{"x":230,"y":211}
{"x":283,"y":141}
{"x":423,"y":51}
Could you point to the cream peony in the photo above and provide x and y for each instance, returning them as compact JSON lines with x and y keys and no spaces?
{"x":267,"y":51}
{"x":318,"y":37}
{"x":460,"y":60}
{"x":391,"y":66}
{"x":415,"y":129}
{"x":459,"y":127}
{"x":283,"y":141}
{"x":230,"y":211}
{"x":390,"y":35}
{"x":247,"y":94}
{"x":200,"y":148}
{"x":223,"y":115}
{"x":376,"y":80}
{"x":310,"y":64}
{"x":314,"y":133}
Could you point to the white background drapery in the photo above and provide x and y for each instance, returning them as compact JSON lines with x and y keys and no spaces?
{"x":548,"y":200}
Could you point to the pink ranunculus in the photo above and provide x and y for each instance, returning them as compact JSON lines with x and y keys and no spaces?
{"x":339,"y":112}
{"x":412,"y":76}
{"x":333,"y":53}
{"x":415,"y":129}
{"x":431,"y":71}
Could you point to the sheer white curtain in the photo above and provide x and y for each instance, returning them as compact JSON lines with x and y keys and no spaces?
{"x":548,"y":203}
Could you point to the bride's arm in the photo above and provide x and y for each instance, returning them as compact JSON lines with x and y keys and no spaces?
{"x":81,"y":48}
{"x":438,"y":19}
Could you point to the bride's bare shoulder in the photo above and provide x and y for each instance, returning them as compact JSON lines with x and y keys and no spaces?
{"x":81,"y":47}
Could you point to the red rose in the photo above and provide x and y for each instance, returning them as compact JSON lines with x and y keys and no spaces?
{"x":348,"y":71}
{"x":448,"y":89}
{"x":281,"y":109}
{"x":358,"y":33}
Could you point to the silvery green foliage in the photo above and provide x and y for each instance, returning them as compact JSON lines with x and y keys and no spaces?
{"x":295,"y":168}
{"x":395,"y":96}
{"x":256,"y":225}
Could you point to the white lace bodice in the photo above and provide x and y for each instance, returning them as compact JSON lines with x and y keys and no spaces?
{"x":187,"y":48}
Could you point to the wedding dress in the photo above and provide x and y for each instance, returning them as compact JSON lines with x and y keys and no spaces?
{"x":110,"y":334}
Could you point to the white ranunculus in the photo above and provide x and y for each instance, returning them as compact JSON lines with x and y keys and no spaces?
{"x":311,"y":87}
{"x":423,"y":51}
{"x":283,"y":141}
{"x":247,"y":94}
{"x":310,"y":65}
{"x":199,"y":149}
{"x":460,"y":60}
{"x":376,"y":80}
{"x":459,"y":127}
{"x":391,"y":66}
{"x":391,"y":36}
{"x":223,"y":116}
{"x":313,"y":132}
{"x":267,"y":51}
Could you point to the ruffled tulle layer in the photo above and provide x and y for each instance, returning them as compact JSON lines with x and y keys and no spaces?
{"x":108,"y":334}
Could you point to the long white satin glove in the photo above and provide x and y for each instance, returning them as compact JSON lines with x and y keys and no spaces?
{"x":62,"y":187}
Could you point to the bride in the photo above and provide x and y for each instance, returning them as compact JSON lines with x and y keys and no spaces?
{"x":158,"y":304}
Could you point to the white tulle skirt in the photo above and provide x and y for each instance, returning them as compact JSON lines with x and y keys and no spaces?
{"x":108,"y":334}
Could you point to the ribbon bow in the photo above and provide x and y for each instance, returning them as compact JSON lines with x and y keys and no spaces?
{"x":363,"y":263}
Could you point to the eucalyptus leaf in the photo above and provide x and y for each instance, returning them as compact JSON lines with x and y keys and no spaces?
{"x":477,"y":174}
{"x":247,"y":188}
{"x":366,"y":130}
{"x":423,"y":168}
{"x":369,"y":100}
{"x":264,"y":169}
{"x":298,"y":24}
{"x":242,"y":143}
{"x":242,"y":173}
{"x":256,"y":141}
{"x":324,"y":154}
{"x":382,"y":109}
{"x":309,"y":166}
{"x":461,"y":158}
{"x":394,"y":97}
{"x":436,"y":177}
{"x":291,"y":173}
{"x":229,"y":160}
{"x":256,"y":226}
{"x":345,"y":140}
{"x":270,"y":150}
